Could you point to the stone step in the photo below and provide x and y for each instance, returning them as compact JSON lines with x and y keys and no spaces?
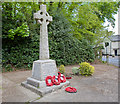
{"x":44,"y":90}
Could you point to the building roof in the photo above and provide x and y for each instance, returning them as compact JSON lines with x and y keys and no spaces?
{"x":115,"y":38}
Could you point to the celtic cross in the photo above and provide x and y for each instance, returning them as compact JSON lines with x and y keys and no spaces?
{"x":43,"y":18}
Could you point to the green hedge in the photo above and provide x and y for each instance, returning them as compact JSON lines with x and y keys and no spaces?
{"x":64,"y":48}
{"x":22,"y":52}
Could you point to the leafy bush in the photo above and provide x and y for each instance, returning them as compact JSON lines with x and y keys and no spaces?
{"x":107,"y":56}
{"x":8,"y":68}
{"x":75,"y":70}
{"x":86,"y":69}
{"x":62,"y":69}
{"x":113,"y":55}
{"x":20,"y":52}
{"x":22,"y":31}
{"x":104,"y":62}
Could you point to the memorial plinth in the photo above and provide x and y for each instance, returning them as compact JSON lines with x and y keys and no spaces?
{"x":44,"y":66}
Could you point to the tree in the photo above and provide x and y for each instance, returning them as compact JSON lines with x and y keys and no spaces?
{"x":107,"y":10}
{"x":87,"y":20}
{"x":77,"y":29}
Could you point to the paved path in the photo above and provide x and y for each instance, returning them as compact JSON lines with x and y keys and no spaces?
{"x":101,"y":87}
{"x":12,"y":89}
{"x":113,"y":60}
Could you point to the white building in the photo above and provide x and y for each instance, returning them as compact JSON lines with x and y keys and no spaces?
{"x":114,"y":45}
{"x":114,"y":40}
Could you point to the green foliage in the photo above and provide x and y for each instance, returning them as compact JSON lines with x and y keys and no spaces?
{"x":8,"y":67}
{"x":22,"y":31}
{"x":75,"y":70}
{"x":87,"y":20}
{"x":75,"y":31}
{"x":104,"y":62}
{"x":113,"y":55}
{"x":107,"y":56}
{"x":62,"y":69}
{"x":21,"y":52}
{"x":15,"y":14}
{"x":64,"y":48}
{"x":107,"y":9}
{"x":86,"y":69}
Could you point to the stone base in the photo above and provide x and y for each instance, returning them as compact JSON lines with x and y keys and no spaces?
{"x":36,"y":83}
{"x":44,"y":90}
{"x":43,"y":68}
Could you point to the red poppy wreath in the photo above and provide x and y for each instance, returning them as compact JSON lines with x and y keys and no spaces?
{"x":71,"y":89}
{"x":59,"y":74}
{"x":62,"y":78}
{"x":56,"y":78}
{"x":47,"y":81}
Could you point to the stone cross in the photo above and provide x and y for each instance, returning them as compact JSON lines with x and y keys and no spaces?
{"x":43,"y":18}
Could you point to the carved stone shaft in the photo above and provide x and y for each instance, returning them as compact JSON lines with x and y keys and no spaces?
{"x":44,"y":47}
{"x":43,"y":18}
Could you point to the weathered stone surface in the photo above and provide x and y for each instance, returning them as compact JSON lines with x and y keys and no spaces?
{"x":44,"y":90}
{"x":43,"y":18}
{"x":43,"y":68}
{"x":36,"y":83}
